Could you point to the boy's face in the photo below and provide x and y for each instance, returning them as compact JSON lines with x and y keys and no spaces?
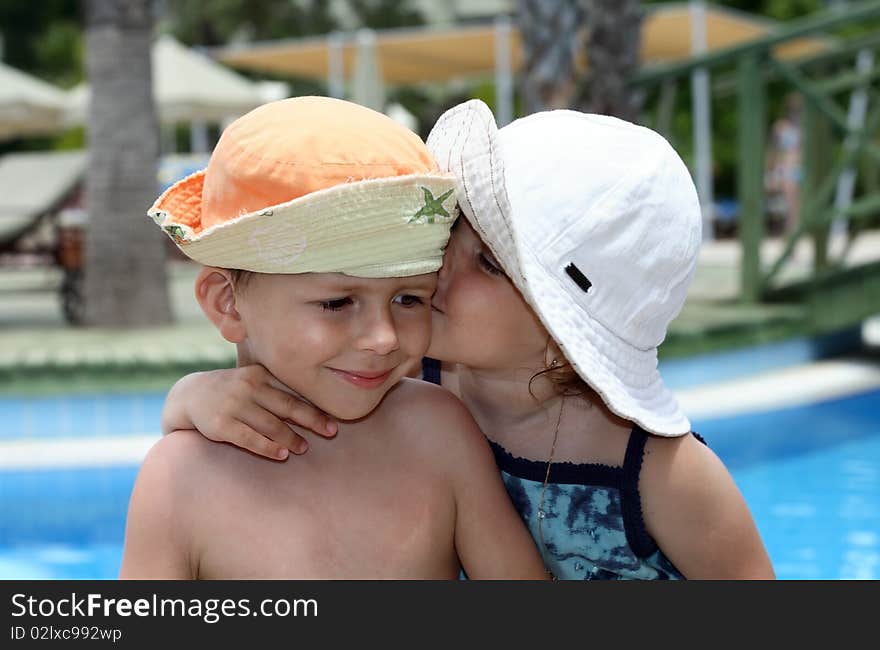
{"x":341,"y":342}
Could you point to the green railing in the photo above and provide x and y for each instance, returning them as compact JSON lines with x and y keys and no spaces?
{"x":831,"y":144}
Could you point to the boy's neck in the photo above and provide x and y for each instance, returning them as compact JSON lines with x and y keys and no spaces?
{"x":244,"y":359}
{"x":243,"y":356}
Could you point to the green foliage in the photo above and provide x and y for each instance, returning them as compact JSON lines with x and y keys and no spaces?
{"x":788,"y":9}
{"x":43,"y":38}
{"x":221,"y":22}
{"x":217,"y":22}
{"x":777,"y":9}
{"x":385,"y":14}
{"x":60,"y":52}
{"x":74,"y":138}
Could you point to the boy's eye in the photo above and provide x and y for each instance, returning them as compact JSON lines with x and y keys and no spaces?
{"x":335,"y":305}
{"x":407,"y":300}
{"x":487,"y":264}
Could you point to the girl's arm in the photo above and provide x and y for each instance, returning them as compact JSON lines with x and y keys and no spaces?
{"x":491,"y":539}
{"x":697,"y":515}
{"x":245,"y":406}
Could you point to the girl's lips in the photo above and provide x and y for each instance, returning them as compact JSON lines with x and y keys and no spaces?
{"x":364,"y":379}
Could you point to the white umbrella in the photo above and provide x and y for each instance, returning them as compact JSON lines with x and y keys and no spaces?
{"x":401,"y":115}
{"x":188,"y":86}
{"x":33,"y":183}
{"x":28,"y":105}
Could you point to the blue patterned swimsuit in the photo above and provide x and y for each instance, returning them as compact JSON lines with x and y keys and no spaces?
{"x":593,"y":527}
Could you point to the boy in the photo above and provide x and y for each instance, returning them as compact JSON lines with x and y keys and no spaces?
{"x":321,"y":225}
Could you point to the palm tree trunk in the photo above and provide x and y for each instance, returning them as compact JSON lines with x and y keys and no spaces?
{"x":613,"y":51}
{"x":552,"y":33}
{"x":125,"y":279}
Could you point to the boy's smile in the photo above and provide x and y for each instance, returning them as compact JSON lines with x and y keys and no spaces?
{"x":364,"y":379}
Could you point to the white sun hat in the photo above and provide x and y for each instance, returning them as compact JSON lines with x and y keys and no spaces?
{"x":597,"y":223}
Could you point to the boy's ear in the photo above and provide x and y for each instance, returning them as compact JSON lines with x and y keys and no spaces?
{"x":216,"y":295}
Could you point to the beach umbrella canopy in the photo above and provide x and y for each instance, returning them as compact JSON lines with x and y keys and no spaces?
{"x":33,"y":183}
{"x":28,"y":105}
{"x":420,"y":54}
{"x":188,"y":86}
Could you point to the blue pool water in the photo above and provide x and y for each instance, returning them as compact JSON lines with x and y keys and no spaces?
{"x":78,"y":416}
{"x":810,"y":474}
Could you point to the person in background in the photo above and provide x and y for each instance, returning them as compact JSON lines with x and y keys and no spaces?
{"x":785,"y":162}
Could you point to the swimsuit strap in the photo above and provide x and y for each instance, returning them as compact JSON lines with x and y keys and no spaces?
{"x":640,"y":541}
{"x":431,"y":370}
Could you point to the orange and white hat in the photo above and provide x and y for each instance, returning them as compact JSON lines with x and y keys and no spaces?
{"x":311,"y":185}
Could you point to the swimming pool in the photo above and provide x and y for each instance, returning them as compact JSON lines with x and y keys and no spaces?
{"x":810,"y":474}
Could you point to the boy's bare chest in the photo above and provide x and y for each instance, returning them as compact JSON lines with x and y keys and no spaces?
{"x":368,"y":521}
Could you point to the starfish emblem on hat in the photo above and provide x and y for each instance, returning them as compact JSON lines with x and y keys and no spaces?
{"x":433,"y":207}
{"x":177,"y":233}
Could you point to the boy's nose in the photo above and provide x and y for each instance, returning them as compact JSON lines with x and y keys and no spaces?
{"x":379,"y":333}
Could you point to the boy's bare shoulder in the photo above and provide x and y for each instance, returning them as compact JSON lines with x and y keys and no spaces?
{"x":195,"y":474}
{"x":418,"y":389}
{"x":173,"y":459}
{"x":424,"y":402}
{"x":432,"y":413}
{"x":178,"y":449}
{"x":187,"y":458}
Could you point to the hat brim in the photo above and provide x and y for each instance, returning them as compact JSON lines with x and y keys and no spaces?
{"x":465,"y":141}
{"x":371,"y":228}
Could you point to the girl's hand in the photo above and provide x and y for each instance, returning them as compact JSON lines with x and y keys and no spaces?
{"x":245,"y":406}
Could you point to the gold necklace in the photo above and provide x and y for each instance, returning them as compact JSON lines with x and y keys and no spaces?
{"x":541,"y":513}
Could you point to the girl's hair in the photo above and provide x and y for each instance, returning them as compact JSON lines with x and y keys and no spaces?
{"x":565,"y":379}
{"x":566,"y":382}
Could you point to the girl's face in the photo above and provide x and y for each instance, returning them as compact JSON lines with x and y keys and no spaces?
{"x":479,"y":318}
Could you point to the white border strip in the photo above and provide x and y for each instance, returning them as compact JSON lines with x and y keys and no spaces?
{"x":794,"y":386}
{"x":70,"y":453}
